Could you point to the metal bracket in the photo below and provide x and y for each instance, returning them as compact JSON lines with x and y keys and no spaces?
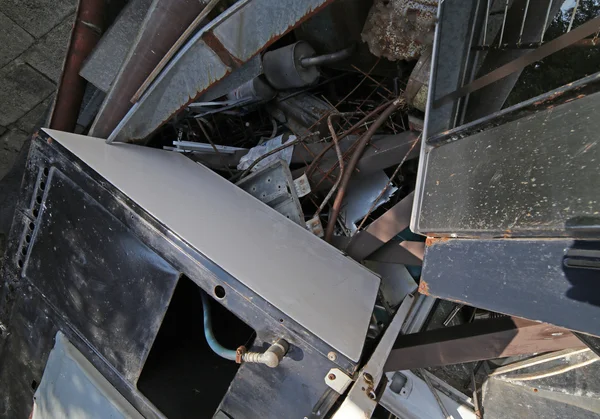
{"x":337,"y":380}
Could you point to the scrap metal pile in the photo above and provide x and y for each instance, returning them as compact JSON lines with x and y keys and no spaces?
{"x":323,"y":125}
{"x":341,"y":184}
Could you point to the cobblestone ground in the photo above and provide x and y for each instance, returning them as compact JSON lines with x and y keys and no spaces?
{"x":33,"y":40}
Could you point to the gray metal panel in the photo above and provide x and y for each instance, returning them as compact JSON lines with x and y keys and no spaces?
{"x":300,"y":274}
{"x":104,"y":62}
{"x":243,"y":34}
{"x":534,"y":176}
{"x":72,"y":387}
{"x":527,"y":278}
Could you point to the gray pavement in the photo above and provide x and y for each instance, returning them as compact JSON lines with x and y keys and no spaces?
{"x":34,"y":35}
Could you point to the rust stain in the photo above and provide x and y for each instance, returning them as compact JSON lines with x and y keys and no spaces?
{"x":223,"y":53}
{"x":549,"y":98}
{"x":423,"y":287}
{"x":430,"y":241}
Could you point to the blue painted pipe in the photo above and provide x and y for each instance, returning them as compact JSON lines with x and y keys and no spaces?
{"x":208,"y":333}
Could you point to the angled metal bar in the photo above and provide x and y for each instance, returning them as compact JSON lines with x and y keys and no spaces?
{"x":361,"y":400}
{"x":212,"y":54}
{"x":381,"y":230}
{"x":483,"y":339}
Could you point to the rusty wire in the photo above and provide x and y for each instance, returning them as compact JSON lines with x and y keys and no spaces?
{"x":349,"y":131}
{"x":361,"y":144}
{"x":341,"y":162}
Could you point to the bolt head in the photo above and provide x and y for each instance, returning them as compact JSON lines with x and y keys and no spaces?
{"x":368,"y":378}
{"x":331,"y":377}
{"x":332,"y":356}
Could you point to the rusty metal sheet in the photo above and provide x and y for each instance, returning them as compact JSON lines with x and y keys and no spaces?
{"x":400,"y":29}
{"x":214,"y":52}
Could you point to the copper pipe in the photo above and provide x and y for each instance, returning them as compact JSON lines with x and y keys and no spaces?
{"x":349,"y":131}
{"x":86,"y":33}
{"x":341,"y":161}
{"x":360,"y":148}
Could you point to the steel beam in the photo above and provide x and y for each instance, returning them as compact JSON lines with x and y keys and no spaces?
{"x":214,"y":52}
{"x":480,"y":340}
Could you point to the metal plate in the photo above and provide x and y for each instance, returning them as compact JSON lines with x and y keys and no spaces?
{"x":72,"y":387}
{"x":300,"y":274}
{"x":274,"y":186}
{"x":68,"y":282}
{"x":535,"y":176}
{"x":524,"y":278}
{"x":29,"y":319}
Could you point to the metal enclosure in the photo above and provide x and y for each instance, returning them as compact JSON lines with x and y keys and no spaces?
{"x":510,"y":200}
{"x":100,"y":246}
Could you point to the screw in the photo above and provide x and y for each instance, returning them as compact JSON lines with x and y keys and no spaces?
{"x":331,"y":377}
{"x":332,"y":356}
{"x":368,"y":378}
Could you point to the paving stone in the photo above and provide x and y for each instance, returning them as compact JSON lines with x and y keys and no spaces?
{"x":21,"y":89}
{"x":48,"y":54}
{"x":37,"y":16}
{"x":36,"y":117}
{"x":10,"y":145}
{"x":13,"y":40}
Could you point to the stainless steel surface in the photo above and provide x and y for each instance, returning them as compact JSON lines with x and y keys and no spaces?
{"x":396,"y":281}
{"x":300,"y":274}
{"x":163,"y":24}
{"x":209,"y":56}
{"x":363,"y":195}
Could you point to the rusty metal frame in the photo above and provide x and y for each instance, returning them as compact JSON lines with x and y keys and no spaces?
{"x":211,"y":55}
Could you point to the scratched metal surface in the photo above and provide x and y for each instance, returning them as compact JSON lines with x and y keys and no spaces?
{"x":537,"y":279}
{"x":536,"y":176}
